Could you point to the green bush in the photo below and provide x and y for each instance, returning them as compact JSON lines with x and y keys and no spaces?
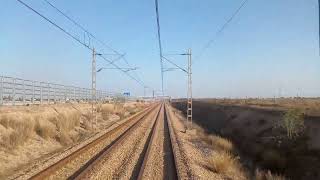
{"x":293,"y":123}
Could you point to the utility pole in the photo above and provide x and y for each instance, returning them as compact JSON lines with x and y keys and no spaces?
{"x":94,"y":95}
{"x":189,"y":103}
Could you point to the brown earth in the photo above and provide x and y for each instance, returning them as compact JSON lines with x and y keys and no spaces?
{"x":250,"y":127}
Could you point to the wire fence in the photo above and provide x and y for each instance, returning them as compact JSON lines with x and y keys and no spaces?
{"x":16,"y":91}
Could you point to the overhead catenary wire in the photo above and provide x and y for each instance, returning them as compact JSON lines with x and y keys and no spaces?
{"x":77,"y":40}
{"x":81,"y":27}
{"x":121,"y":56}
{"x":175,"y":64}
{"x":223,"y":27}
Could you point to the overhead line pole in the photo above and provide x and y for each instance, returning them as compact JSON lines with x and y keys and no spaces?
{"x":189,"y":103}
{"x":159,"y":41}
{"x":94,"y":92}
{"x":189,"y":81}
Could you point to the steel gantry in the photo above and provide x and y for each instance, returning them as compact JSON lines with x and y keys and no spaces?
{"x":189,"y":88}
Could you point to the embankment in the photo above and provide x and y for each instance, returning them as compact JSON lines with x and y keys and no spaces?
{"x":252,"y":130}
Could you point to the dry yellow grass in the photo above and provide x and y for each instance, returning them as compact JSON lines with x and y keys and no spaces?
{"x":19,"y":126}
{"x":44,"y":128}
{"x":57,"y":122}
{"x":220,"y":144}
{"x":106,"y":110}
{"x":18,"y":130}
{"x":226,"y":164}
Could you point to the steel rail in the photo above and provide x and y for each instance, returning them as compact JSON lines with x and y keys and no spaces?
{"x":61,"y":163}
{"x":83,"y":172}
{"x":152,"y":141}
{"x":183,"y":171}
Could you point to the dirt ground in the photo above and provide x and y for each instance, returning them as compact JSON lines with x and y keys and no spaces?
{"x":249,"y":124}
{"x":31,"y":133}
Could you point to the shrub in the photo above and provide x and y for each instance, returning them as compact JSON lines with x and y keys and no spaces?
{"x":293,"y":123}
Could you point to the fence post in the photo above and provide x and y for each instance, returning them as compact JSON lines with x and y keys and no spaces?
{"x":24,"y":93}
{"x":41,"y":93}
{"x":1,"y":90}
{"x":74,"y":94}
{"x":14,"y":91}
{"x":54,"y":93}
{"x":48,"y":93}
{"x":32,"y":92}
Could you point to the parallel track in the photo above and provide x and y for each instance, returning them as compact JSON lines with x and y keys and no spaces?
{"x":86,"y":171}
{"x":46,"y":173}
{"x":158,"y":126}
{"x":170,"y":170}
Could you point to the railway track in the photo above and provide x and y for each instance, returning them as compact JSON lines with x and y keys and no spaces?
{"x":159,"y":158}
{"x":140,"y":148}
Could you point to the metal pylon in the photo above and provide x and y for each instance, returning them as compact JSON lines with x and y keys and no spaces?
{"x":94,"y":92}
{"x":189,"y":102}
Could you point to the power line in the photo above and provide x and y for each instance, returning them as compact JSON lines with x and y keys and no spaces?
{"x":77,"y":39}
{"x":159,"y":41}
{"x":116,"y":66}
{"x":175,"y":64}
{"x":208,"y":44}
{"x":54,"y":24}
{"x":89,"y":34}
{"x":81,"y":27}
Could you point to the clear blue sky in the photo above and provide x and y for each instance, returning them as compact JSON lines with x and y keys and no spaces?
{"x":270,"y":46}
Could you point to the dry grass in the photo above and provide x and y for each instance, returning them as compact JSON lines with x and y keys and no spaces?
{"x":4,"y":121}
{"x":18,"y":130}
{"x":64,"y":138}
{"x":222,"y":160}
{"x":59,"y":122}
{"x":44,"y":128}
{"x":220,"y":144}
{"x":226,"y":164}
{"x":106,"y":110}
{"x":19,"y":126}
{"x":261,"y":175}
